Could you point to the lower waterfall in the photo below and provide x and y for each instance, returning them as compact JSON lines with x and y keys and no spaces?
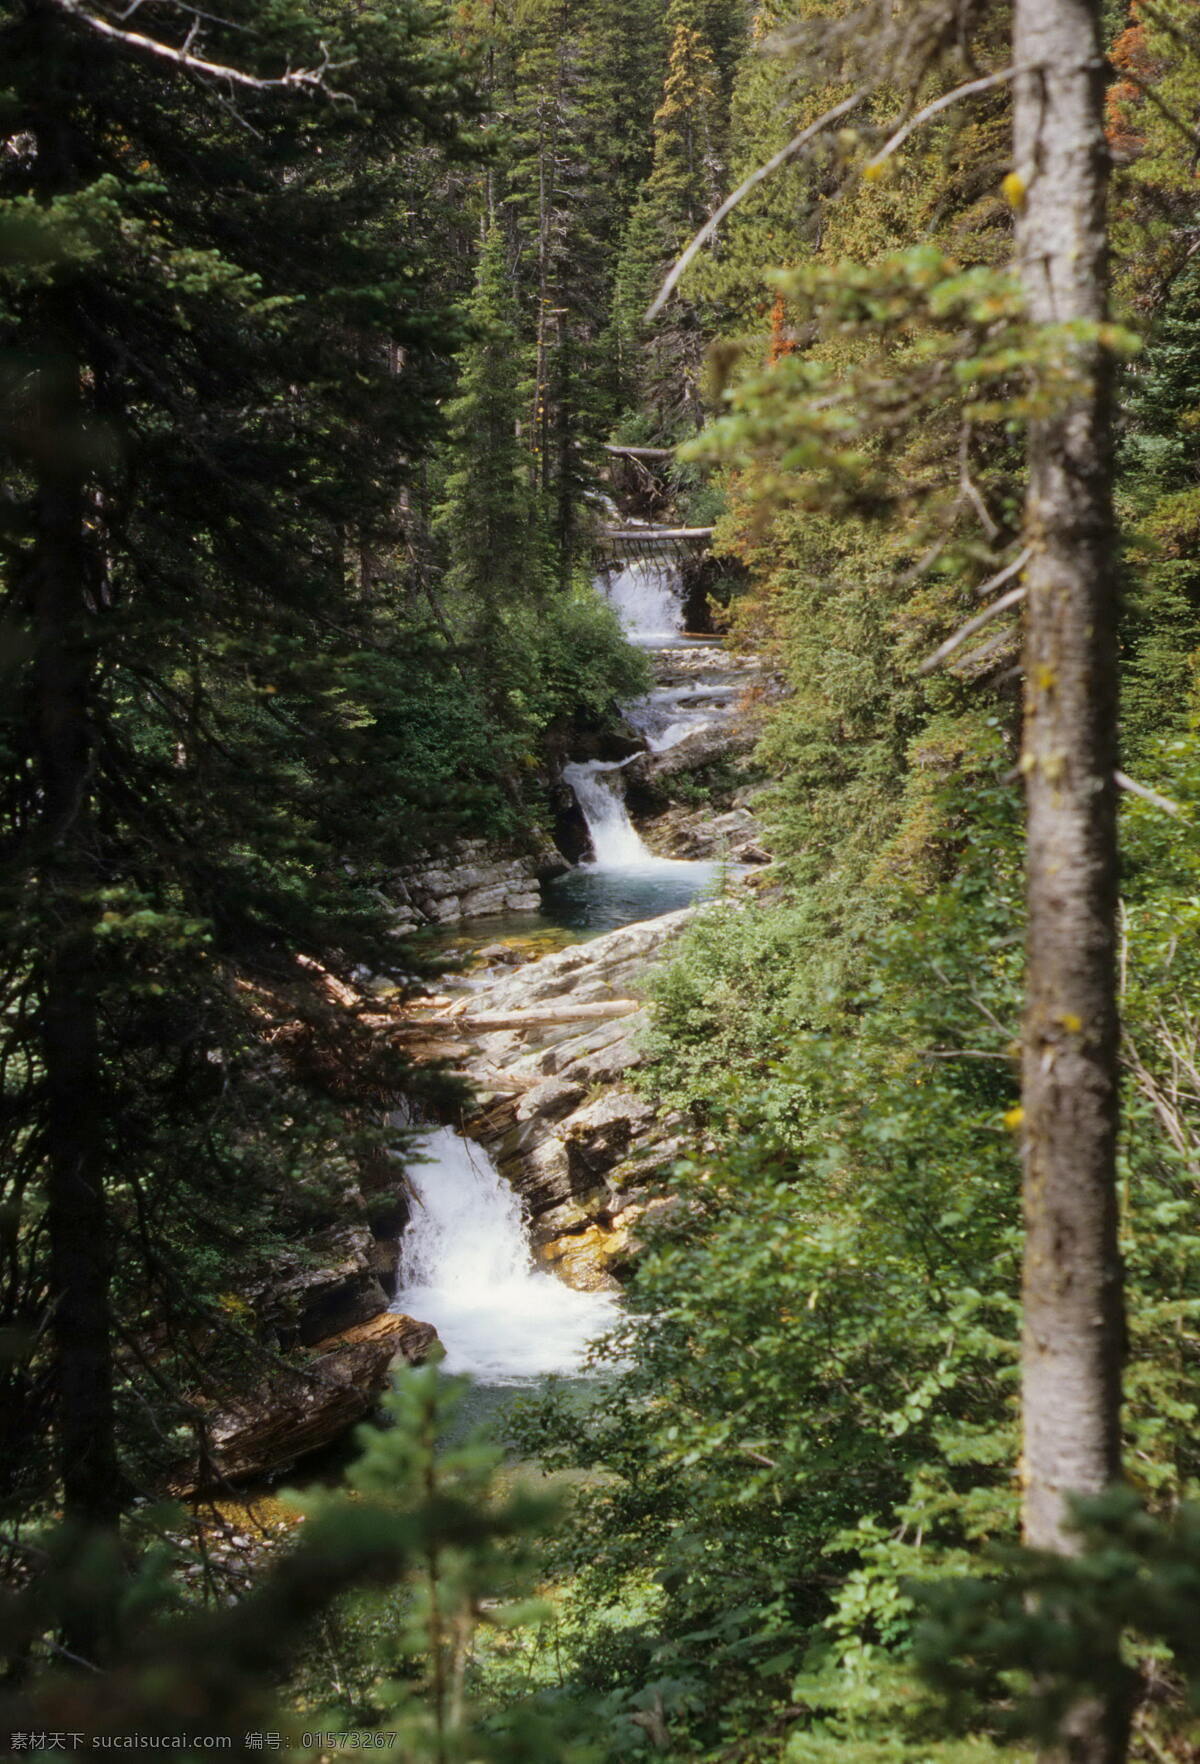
{"x":466,"y":1267}
{"x":616,"y":842}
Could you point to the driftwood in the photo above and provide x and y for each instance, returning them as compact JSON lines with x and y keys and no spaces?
{"x":548,"y":1014}
{"x":644,"y":535}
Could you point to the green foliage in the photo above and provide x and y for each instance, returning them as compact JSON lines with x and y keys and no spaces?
{"x":1042,"y":1631}
{"x":489,"y":516}
{"x":818,"y":1413}
{"x":424,"y":1544}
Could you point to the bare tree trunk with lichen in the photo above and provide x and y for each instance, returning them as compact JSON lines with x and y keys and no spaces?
{"x":1073,"y":1327}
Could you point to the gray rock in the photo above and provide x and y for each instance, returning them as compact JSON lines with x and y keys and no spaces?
{"x":550,"y":1101}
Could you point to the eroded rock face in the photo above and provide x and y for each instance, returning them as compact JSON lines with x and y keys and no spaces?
{"x":471,"y":880}
{"x":303,"y":1409}
{"x":734,"y":835}
{"x":340,"y":1291}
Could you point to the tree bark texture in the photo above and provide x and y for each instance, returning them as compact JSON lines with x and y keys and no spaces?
{"x":76,"y":1220}
{"x":1073,"y":1323}
{"x":63,"y":589}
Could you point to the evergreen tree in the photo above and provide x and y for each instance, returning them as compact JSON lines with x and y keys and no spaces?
{"x":487,"y":517}
{"x":661,"y":368}
{"x":212,"y":402}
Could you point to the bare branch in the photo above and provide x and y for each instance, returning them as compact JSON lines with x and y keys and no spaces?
{"x":311,"y":79}
{"x":943,"y":103}
{"x":1125,"y":782}
{"x":1010,"y":570}
{"x":756,"y":177}
{"x":968,"y":486}
{"x":939,"y":655}
{"x":801,"y":140}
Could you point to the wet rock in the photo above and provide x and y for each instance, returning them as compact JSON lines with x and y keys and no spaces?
{"x":308,"y":1407}
{"x":587,"y":1260}
{"x":501,"y":952}
{"x":701,"y":748}
{"x":475,"y":878}
{"x":329,"y":1285}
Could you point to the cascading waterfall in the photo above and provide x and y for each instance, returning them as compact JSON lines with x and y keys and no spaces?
{"x":648,"y":599}
{"x":624,"y":880}
{"x":616,"y":842}
{"x":465,"y":1267}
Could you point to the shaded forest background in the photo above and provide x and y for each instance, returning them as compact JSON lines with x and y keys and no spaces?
{"x":307,"y":388}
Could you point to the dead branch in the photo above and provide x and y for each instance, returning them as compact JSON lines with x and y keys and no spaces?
{"x":969,"y":487}
{"x":531,"y":1019}
{"x":664,"y":533}
{"x":943,"y":103}
{"x":1006,"y":574}
{"x":313,"y":79}
{"x":756,"y":177}
{"x":947,"y":648}
{"x":1125,"y":782}
{"x":639,"y":452}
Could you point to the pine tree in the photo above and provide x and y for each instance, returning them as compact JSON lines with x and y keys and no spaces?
{"x":489,"y":516}
{"x":554,"y":208}
{"x":661,"y":367}
{"x":212,"y":404}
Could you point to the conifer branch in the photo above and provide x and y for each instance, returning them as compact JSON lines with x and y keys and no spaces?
{"x":756,"y":177}
{"x":182,"y":55}
{"x":1147,"y":90}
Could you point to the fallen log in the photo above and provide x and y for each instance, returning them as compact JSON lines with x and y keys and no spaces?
{"x":640,"y":452}
{"x":645,"y":534}
{"x":541,"y":1015}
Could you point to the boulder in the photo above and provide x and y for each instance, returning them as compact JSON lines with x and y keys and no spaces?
{"x":701,"y":748}
{"x":308,"y":1407}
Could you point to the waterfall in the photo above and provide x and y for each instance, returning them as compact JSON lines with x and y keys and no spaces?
{"x":465,"y":1267}
{"x":648,"y":598}
{"x":616,"y":843}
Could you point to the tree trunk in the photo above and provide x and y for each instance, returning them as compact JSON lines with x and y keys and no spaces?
{"x":1073,"y":1327}
{"x":64,"y":589}
{"x":75,"y":1211}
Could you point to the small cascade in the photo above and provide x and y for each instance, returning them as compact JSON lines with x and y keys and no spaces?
{"x":465,"y":1267}
{"x":647,"y":596}
{"x":625,"y":881}
{"x":616,"y":843}
{"x":666,"y":716}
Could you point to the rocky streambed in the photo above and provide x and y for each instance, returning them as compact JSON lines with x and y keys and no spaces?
{"x":556,"y":1109}
{"x":548,"y":1044}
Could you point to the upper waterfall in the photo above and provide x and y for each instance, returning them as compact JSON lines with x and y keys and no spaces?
{"x":647,"y":596}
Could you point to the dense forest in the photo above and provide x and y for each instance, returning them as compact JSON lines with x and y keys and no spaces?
{"x":601,"y":668}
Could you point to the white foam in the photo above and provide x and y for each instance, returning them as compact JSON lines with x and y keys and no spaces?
{"x":466,"y":1267}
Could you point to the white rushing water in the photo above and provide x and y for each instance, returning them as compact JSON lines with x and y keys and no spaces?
{"x":466,"y":1267}
{"x":666,"y":715}
{"x":648,"y":599}
{"x":616,"y":842}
